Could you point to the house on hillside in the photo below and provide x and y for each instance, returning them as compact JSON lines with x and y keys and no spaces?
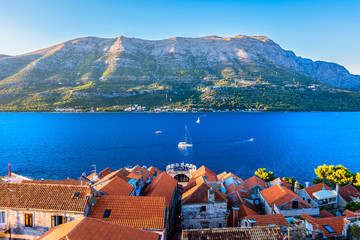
{"x":279,"y":199}
{"x":202,"y":206}
{"x":319,"y":195}
{"x":348,"y":193}
{"x":28,"y":210}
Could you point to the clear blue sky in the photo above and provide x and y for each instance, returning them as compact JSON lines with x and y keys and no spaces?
{"x":326,"y":30}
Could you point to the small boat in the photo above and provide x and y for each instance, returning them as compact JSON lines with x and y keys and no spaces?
{"x":198,"y":120}
{"x":187,"y":143}
{"x":251,"y":139}
{"x":158,"y":132}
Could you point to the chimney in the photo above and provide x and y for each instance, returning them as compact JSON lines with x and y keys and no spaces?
{"x":211,"y":195}
{"x":307,"y":184}
{"x":9,"y":169}
{"x":235,"y":217}
{"x":297,"y":187}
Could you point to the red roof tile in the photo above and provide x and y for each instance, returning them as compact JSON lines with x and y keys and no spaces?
{"x":350,"y":214}
{"x":116,"y":186}
{"x":153,"y":169}
{"x":142,"y":172}
{"x":242,"y":212}
{"x":139,"y":212}
{"x":94,"y":229}
{"x":336,"y":223}
{"x":316,"y":188}
{"x":348,"y":192}
{"x":199,"y":193}
{"x":253,"y":181}
{"x":253,"y":233}
{"x":266,"y":220}
{"x":44,"y":196}
{"x":280,"y":195}
{"x":60,"y":182}
{"x":162,"y":185}
{"x":324,"y":213}
{"x":121,"y":173}
{"x":209,"y":175}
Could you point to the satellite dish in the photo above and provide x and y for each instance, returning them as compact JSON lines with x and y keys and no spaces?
{"x":253,"y":196}
{"x":257,"y":202}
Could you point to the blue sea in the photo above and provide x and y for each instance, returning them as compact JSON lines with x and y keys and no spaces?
{"x":61,"y":145}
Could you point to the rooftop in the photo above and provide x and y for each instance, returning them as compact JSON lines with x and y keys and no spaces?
{"x":254,"y":181}
{"x":139,"y":212}
{"x":316,"y":188}
{"x":163,"y":185}
{"x":349,"y":193}
{"x":331,"y":226}
{"x":209,"y":175}
{"x":280,"y":195}
{"x":266,"y":220}
{"x":94,"y":229}
{"x":253,"y":233}
{"x":116,"y":186}
{"x":44,"y":196}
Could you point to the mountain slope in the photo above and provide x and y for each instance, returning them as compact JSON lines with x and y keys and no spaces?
{"x":123,"y":67}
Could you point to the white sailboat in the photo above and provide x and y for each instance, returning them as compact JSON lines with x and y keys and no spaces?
{"x":187,"y":143}
{"x":198,"y":120}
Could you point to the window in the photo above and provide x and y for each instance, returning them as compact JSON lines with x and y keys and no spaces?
{"x":203,"y":209}
{"x":107,"y":213}
{"x":2,"y":217}
{"x":28,"y":220}
{"x":57,"y":220}
{"x":76,"y":195}
{"x":309,"y":200}
{"x":304,"y":198}
{"x":220,"y":225}
{"x":295,"y":204}
{"x":329,"y":229}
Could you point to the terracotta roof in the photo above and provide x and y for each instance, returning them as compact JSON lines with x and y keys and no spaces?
{"x":281,"y":182}
{"x":242,"y":190}
{"x":253,"y":233}
{"x":234,"y":200}
{"x":105,"y":172}
{"x":116,"y":186}
{"x":139,"y":212}
{"x":209,"y":175}
{"x":121,"y":173}
{"x":350,"y":214}
{"x":199,"y":193}
{"x":60,"y":182}
{"x":153,"y":169}
{"x":335,"y":223}
{"x":348,"y":191}
{"x":280,"y":195}
{"x":316,"y":188}
{"x":44,"y":196}
{"x":143,"y":172}
{"x":253,"y":181}
{"x":162,"y":185}
{"x":266,"y":220}
{"x":226,"y":176}
{"x":242,"y":212}
{"x":324,"y":214}
{"x":221,"y":175}
{"x":94,"y":229}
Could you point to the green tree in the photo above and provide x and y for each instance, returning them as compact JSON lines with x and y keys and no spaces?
{"x":352,"y":206}
{"x":334,"y":174}
{"x":266,"y":176}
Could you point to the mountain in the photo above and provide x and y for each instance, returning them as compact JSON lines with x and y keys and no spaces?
{"x":100,"y":72}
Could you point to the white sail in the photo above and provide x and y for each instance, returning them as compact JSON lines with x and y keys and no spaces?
{"x":198,"y":120}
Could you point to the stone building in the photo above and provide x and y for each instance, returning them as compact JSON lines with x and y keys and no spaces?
{"x":202,"y":206}
{"x":31,"y":209}
{"x":279,"y":199}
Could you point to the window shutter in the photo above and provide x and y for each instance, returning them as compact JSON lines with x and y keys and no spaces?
{"x":64,"y":219}
{"x":31,"y":219}
{"x":52,"y":221}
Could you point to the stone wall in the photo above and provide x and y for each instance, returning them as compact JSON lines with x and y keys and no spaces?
{"x":215,"y":213}
{"x":41,"y":221}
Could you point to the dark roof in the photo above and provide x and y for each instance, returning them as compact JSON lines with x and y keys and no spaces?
{"x":44,"y":196}
{"x":94,"y":229}
{"x":348,"y":191}
{"x":253,"y":233}
{"x":266,"y":220}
